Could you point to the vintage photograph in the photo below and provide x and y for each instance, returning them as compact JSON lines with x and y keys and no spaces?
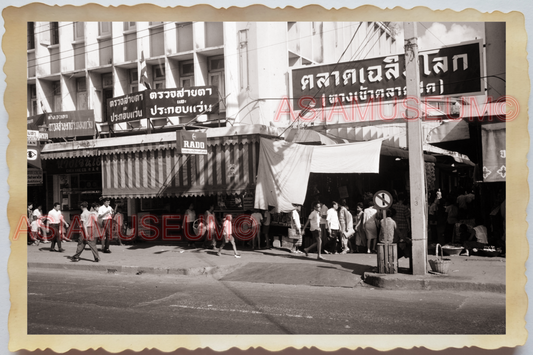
{"x":266,"y":177}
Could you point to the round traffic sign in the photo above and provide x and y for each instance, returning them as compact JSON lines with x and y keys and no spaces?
{"x":382,"y":199}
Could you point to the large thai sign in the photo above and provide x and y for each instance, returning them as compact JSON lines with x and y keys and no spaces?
{"x":453,"y":70}
{"x":191,"y":101}
{"x":70,"y":124}
{"x":155,"y":103}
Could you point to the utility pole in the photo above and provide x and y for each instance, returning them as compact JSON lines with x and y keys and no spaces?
{"x":417,"y":179}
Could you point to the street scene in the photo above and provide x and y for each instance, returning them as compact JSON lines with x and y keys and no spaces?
{"x":266,"y":178}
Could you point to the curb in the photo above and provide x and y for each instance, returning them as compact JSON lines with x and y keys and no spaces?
{"x":428,"y":283}
{"x":138,"y":270}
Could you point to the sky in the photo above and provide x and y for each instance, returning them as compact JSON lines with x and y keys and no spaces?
{"x":433,"y":35}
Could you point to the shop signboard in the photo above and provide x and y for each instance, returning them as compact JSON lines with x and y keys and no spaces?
{"x":70,"y":124}
{"x":35,"y":177}
{"x":126,"y":108}
{"x":33,"y":156}
{"x":191,"y":142}
{"x":191,"y":101}
{"x":73,"y":166}
{"x":454,"y":70}
{"x":33,"y":138}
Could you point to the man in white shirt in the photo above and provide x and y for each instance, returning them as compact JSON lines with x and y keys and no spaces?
{"x":56,"y":223}
{"x":87,"y":236}
{"x":105,"y":215}
{"x":314,"y":220}
{"x":333,"y":228}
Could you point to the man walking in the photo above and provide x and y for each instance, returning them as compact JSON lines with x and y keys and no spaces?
{"x":105,"y":215}
{"x":87,"y":236}
{"x":314,"y":220}
{"x":333,"y":228}
{"x":56,"y":222}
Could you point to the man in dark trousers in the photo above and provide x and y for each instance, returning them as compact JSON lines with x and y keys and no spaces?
{"x":105,"y":217}
{"x":87,"y":220}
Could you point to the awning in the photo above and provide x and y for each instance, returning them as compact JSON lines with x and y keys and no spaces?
{"x":153,"y":142}
{"x":229,"y":168}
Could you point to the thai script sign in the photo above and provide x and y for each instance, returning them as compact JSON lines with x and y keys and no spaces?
{"x":446,"y":71}
{"x":126,"y":108}
{"x":78,"y":165}
{"x":35,"y":177}
{"x":33,"y":138}
{"x":70,"y":124}
{"x":191,"y":142}
{"x":190,"y":101}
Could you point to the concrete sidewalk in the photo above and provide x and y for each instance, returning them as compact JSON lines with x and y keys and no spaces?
{"x":465,"y":273}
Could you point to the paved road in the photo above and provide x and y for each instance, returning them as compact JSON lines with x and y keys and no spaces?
{"x":84,"y":302}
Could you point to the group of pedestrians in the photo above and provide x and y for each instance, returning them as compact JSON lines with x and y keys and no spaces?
{"x":339,"y":230}
{"x":95,"y":222}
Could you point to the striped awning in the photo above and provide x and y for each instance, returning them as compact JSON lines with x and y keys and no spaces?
{"x":229,"y":167}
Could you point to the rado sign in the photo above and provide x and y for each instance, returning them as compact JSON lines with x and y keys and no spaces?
{"x":191,"y":142}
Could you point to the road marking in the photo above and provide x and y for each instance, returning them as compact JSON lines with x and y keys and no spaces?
{"x":241,"y":311}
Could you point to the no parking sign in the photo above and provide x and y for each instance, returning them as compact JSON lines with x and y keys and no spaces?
{"x":382,"y":200}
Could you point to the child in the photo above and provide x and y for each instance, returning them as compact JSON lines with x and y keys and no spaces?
{"x":228,"y":237}
{"x":34,"y":231}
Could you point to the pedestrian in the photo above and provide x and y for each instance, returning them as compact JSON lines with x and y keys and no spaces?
{"x":371,"y":227}
{"x":295,"y":232}
{"x":38,"y":212}
{"x":360,"y":237}
{"x":452,"y":213}
{"x":87,"y":219}
{"x":388,"y":232}
{"x":34,"y":231}
{"x":324,"y":227}
{"x":227,"y":236}
{"x":188,"y":223}
{"x":57,"y":223}
{"x":105,"y":219}
{"x":118,"y":225}
{"x":210,"y":230}
{"x":314,"y":221}
{"x":267,"y":218}
{"x":257,"y":219}
{"x":30,"y":212}
{"x":332,"y":244}
{"x":346,"y":226}
{"x":402,"y":219}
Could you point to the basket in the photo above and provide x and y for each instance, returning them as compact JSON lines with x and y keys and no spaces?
{"x":451,"y":250}
{"x":440,"y":265}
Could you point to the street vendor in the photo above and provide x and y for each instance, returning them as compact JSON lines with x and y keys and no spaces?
{"x":477,"y":240}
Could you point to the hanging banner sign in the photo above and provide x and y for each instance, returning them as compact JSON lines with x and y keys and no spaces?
{"x":191,"y":142}
{"x":190,"y":101}
{"x":35,"y":177}
{"x":494,"y":152}
{"x":455,"y":70}
{"x":126,"y":108}
{"x":70,"y":124}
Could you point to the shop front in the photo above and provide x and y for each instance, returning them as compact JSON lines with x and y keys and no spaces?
{"x":152,"y":184}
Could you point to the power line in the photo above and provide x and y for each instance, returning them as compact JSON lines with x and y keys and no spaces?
{"x":134,"y":39}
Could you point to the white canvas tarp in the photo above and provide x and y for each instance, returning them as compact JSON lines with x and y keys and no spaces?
{"x":284,"y":168}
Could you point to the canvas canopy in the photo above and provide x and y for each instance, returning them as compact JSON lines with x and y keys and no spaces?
{"x":284,"y":168}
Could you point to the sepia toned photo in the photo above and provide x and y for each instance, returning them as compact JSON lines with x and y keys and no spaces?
{"x":210,"y":176}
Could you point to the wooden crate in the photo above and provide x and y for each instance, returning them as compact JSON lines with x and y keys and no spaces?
{"x":387,"y":258}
